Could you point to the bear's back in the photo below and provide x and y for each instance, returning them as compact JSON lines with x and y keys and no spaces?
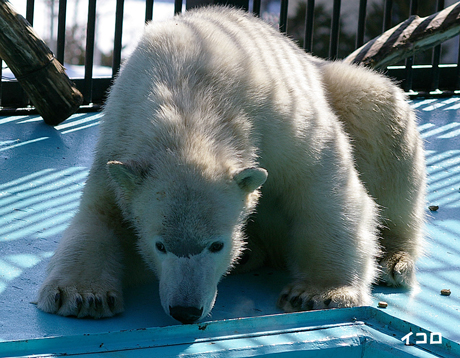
{"x":213,"y":68}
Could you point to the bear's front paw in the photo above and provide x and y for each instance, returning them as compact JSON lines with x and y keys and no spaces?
{"x":300,"y":296}
{"x":93,"y":300}
{"x":398,"y":269}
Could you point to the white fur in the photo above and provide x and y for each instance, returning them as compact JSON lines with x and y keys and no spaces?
{"x":207,"y":104}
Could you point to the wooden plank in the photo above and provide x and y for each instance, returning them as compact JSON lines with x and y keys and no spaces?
{"x":411,"y":36}
{"x":41,"y":76}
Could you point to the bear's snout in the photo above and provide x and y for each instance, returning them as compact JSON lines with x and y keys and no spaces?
{"x":186,"y":315}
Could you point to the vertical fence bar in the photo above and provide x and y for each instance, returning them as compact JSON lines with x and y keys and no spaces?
{"x":30,"y":7}
{"x":1,"y":83}
{"x":457,"y":84}
{"x":436,"y":55}
{"x":177,"y":7}
{"x":283,"y":16}
{"x":148,"y":10}
{"x":361,"y":23}
{"x":309,"y":21}
{"x":335,"y":28}
{"x":60,"y":49}
{"x":117,"y":45}
{"x":30,"y":11}
{"x":256,"y":7}
{"x":89,"y":54}
{"x":387,"y":15}
{"x":410,"y":60}
{"x":413,"y":7}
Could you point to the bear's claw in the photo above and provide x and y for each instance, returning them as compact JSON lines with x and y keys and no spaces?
{"x":70,"y":301}
{"x":302,"y":297}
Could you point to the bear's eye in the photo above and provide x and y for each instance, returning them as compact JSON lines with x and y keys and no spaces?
{"x":216,"y":246}
{"x":161,"y":247}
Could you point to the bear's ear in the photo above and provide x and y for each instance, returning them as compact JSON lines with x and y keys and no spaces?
{"x":250,"y":179}
{"x":124,"y":175}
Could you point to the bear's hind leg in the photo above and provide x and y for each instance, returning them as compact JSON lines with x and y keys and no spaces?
{"x":398,"y":269}
{"x":401,"y":197}
{"x":401,"y":248}
{"x":389,"y":156}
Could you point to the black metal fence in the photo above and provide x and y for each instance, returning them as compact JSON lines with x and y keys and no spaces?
{"x":433,"y":78}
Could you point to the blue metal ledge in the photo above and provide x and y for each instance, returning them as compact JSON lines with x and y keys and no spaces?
{"x":42,"y":172}
{"x":358,"y":332}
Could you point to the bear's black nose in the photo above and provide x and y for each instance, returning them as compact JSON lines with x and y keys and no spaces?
{"x":185,"y":315}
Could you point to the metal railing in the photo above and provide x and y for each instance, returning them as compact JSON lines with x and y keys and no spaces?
{"x":431,"y":79}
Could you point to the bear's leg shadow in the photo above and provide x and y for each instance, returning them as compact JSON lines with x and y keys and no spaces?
{"x":85,"y":273}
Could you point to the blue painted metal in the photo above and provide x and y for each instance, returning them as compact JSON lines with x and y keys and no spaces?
{"x":359,"y":332}
{"x":42,"y":172}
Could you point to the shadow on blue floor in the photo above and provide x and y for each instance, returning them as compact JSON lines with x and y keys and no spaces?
{"x":42,"y":172}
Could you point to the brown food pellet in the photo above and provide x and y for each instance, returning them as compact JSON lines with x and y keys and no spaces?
{"x":433,"y":207}
{"x":445,"y":292}
{"x":382,"y":304}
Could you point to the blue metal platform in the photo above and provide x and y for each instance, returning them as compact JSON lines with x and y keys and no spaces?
{"x":42,"y":172}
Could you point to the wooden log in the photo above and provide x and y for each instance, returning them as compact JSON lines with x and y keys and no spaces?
{"x":411,"y":36}
{"x":41,"y":76}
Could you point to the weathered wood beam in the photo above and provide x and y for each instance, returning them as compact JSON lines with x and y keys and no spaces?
{"x":41,"y":76}
{"x":411,"y":36}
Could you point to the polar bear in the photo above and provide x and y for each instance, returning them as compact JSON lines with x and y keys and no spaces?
{"x":222,"y":143}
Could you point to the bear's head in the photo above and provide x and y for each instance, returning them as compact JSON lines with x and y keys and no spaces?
{"x":189,"y":227}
